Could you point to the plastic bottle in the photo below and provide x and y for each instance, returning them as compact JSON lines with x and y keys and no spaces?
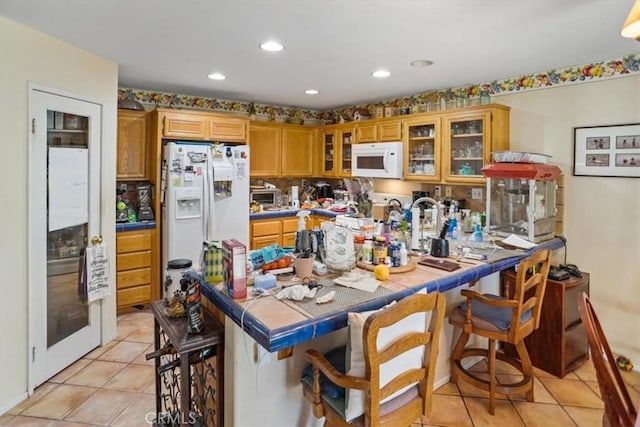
{"x":302,"y":217}
{"x":367,"y":251}
{"x":404,"y":256}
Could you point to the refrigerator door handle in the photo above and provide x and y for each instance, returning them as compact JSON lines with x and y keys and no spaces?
{"x":209,"y":216}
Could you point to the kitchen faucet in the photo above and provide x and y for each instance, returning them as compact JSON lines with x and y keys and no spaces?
{"x":415,"y":204}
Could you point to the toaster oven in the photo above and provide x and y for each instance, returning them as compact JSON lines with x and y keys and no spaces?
{"x":267,"y":197}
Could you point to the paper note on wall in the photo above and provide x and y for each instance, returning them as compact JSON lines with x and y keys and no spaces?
{"x":68,"y":187}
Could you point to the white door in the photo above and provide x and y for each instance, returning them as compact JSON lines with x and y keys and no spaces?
{"x":64,"y":216}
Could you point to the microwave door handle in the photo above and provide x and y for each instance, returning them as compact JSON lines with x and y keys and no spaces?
{"x":385,"y":160}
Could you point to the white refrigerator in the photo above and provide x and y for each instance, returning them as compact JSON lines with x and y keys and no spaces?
{"x":205,"y":193}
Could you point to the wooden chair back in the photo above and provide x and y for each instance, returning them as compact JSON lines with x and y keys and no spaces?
{"x":531,"y":283}
{"x":374,"y":357}
{"x":408,"y":405}
{"x":618,"y":407}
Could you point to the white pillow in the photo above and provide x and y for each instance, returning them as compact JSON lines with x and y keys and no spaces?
{"x":355,"y":354}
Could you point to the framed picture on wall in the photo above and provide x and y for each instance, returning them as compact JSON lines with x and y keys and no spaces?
{"x":607,"y":151}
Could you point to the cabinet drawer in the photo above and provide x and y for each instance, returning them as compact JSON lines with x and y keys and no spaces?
{"x":133,"y":260}
{"x":134,"y":242}
{"x":133,"y":296}
{"x":265,"y":228}
{"x":289,"y":239}
{"x":261,"y":242}
{"x":290,"y":225}
{"x":130,"y":278}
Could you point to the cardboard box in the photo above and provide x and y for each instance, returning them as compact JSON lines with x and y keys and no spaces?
{"x":235,"y":268}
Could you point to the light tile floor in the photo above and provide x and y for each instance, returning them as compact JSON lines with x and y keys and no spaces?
{"x":114,"y":386}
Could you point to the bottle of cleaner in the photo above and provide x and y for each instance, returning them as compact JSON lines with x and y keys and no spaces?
{"x":404,"y":256}
{"x":303,"y":216}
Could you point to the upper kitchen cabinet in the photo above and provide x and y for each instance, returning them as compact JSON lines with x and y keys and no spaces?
{"x":281,"y":150}
{"x":379,"y":131}
{"x":297,"y":151}
{"x":133,"y":144}
{"x":422,"y":150}
{"x":469,"y":138}
{"x":265,"y":144}
{"x":346,"y":135}
{"x":328,"y":152}
{"x":203,"y":126}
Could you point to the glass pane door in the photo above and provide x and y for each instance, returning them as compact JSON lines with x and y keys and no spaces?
{"x":64,"y":215}
{"x":346,"y":139}
{"x":422,"y":150}
{"x":67,"y":232}
{"x":466,"y":145}
{"x":328,"y":153}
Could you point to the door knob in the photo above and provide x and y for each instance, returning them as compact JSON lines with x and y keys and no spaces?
{"x":96,"y":240}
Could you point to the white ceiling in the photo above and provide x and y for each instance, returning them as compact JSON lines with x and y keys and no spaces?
{"x":331,"y":45}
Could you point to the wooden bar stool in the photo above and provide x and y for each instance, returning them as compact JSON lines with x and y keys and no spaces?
{"x":500,"y":319}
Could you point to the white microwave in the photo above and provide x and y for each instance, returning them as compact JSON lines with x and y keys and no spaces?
{"x":377,"y":160}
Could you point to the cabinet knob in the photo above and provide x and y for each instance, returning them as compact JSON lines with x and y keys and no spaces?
{"x":96,"y":240}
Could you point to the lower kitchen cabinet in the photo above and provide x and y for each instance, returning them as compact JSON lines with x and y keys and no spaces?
{"x":278,"y":231}
{"x":560,"y":344}
{"x":136,"y":276}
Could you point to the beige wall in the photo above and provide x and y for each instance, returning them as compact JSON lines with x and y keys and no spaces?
{"x":601,"y":218}
{"x":602,"y":215}
{"x":30,"y":56}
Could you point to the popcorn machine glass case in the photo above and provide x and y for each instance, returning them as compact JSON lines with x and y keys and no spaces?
{"x":521,"y":200}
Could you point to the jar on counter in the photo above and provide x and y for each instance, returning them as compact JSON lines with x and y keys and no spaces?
{"x":379,"y":250}
{"x":358,"y":242}
{"x":366,"y":251}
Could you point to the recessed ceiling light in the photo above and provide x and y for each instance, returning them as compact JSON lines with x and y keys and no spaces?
{"x":217,"y":76}
{"x":271,"y":46}
{"x":421,"y":63}
{"x":311,"y":92}
{"x":381,"y":74}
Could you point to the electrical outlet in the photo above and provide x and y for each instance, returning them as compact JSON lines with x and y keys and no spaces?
{"x":437,"y":191}
{"x":303,"y":183}
{"x":448,"y":192}
{"x":476,"y":193}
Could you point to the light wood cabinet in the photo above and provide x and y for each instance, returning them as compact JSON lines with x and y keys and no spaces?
{"x":422,"y":149}
{"x":132,"y":155}
{"x":203,"y":126}
{"x":316,"y":220}
{"x":279,"y":231}
{"x":265,"y":143}
{"x":281,"y":150}
{"x":346,"y":135}
{"x":265,"y":232}
{"x":328,"y":153}
{"x":289,"y":229}
{"x":297,"y":152}
{"x":468,"y":139}
{"x":136,"y":269}
{"x":384,"y":131}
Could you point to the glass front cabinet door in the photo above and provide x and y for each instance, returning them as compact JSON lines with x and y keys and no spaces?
{"x":328,"y":152}
{"x":345,"y":138}
{"x":466,"y":146}
{"x":422,"y":150}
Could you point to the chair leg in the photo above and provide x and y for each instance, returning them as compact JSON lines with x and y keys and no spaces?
{"x":457,"y":354}
{"x":527,"y":368}
{"x":492,"y":377}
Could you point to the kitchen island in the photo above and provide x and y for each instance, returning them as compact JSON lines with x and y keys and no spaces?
{"x":263,"y":390}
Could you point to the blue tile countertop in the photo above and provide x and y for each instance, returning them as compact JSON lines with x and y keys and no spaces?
{"x":292,"y":212}
{"x":278,"y":338}
{"x":131,"y":226}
